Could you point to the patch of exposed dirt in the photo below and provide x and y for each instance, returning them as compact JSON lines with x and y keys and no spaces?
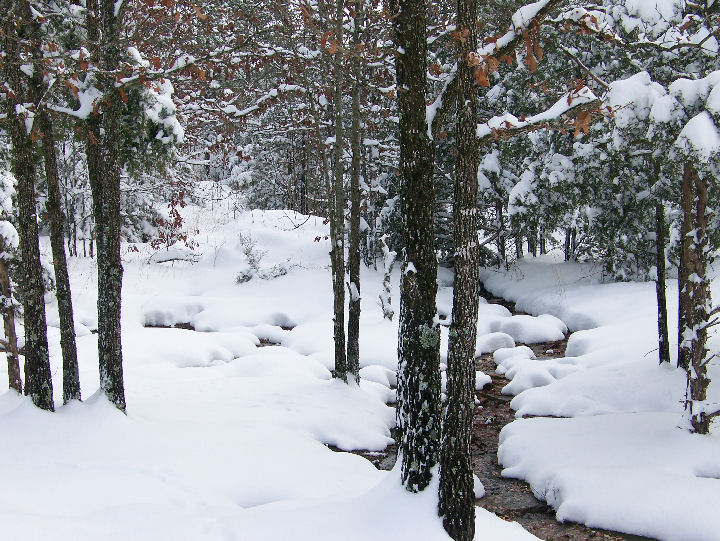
{"x":513,"y":499}
{"x":187,"y":326}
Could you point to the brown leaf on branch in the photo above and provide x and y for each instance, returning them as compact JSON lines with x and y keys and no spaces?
{"x":435,"y":69}
{"x":325,"y":37}
{"x":200,"y":14}
{"x":530,"y":60}
{"x":481,"y":76}
{"x":582,"y":123}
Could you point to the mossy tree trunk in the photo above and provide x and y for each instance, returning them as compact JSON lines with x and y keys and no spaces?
{"x":418,"y":409}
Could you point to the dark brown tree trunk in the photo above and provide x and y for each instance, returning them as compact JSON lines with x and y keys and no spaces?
{"x":457,"y":497}
{"x":353,"y":345}
{"x":71,"y":379}
{"x":684,"y":291}
{"x":532,"y":242}
{"x":660,"y":281}
{"x":36,"y":89}
{"x":418,"y":407}
{"x":519,"y":246}
{"x":338,"y":238}
{"x":38,"y":380}
{"x":104,"y":166}
{"x":567,"y":245}
{"x":696,"y":303}
{"x":500,"y":218}
{"x":8,"y":313}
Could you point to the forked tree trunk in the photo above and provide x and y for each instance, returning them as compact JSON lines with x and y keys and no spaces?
{"x":695,"y":301}
{"x":8,"y":313}
{"x":418,"y":409}
{"x":337,"y":253}
{"x":38,"y":380}
{"x":457,"y":497}
{"x":71,"y":379}
{"x":353,"y":345}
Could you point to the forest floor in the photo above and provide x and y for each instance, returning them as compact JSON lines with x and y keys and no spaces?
{"x":510,"y":499}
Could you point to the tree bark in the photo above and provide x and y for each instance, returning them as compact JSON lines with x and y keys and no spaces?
{"x":696,"y":302}
{"x":71,"y":379}
{"x":500,"y":217}
{"x":684,"y":291}
{"x":457,"y":497}
{"x":660,"y":281}
{"x":353,"y":345}
{"x":104,"y":166}
{"x":8,"y":312}
{"x":36,"y":89}
{"x":338,"y":239}
{"x":38,"y":380}
{"x":418,"y":409}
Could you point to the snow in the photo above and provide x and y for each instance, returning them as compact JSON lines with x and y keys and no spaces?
{"x":9,"y":235}
{"x":700,"y":137}
{"x":569,"y":101}
{"x":614,"y":450}
{"x":228,"y":425}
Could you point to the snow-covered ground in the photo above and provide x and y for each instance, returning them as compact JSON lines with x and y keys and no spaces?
{"x":613,"y":450}
{"x":223,"y":440}
{"x":228,"y":424}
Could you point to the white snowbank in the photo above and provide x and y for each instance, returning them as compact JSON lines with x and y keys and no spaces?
{"x":622,"y":455}
{"x":226,"y":435}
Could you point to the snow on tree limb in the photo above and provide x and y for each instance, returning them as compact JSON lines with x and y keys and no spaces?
{"x":576,"y":103}
{"x":494,"y":48}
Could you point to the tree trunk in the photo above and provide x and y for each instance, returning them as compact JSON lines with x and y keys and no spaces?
{"x":501,"y":231}
{"x":353,"y":345}
{"x":71,"y":378}
{"x":338,"y":248}
{"x":684,"y":290}
{"x":532,"y":242}
{"x":457,"y":497}
{"x":660,"y":281}
{"x":418,"y":407}
{"x":695,"y":299}
{"x":36,"y":89}
{"x":567,"y":249}
{"x":104,"y":166}
{"x":38,"y":380}
{"x":518,"y":246}
{"x":8,"y":312}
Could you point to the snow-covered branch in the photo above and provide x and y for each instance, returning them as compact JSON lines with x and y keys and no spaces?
{"x":576,"y":104}
{"x":493,"y":48}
